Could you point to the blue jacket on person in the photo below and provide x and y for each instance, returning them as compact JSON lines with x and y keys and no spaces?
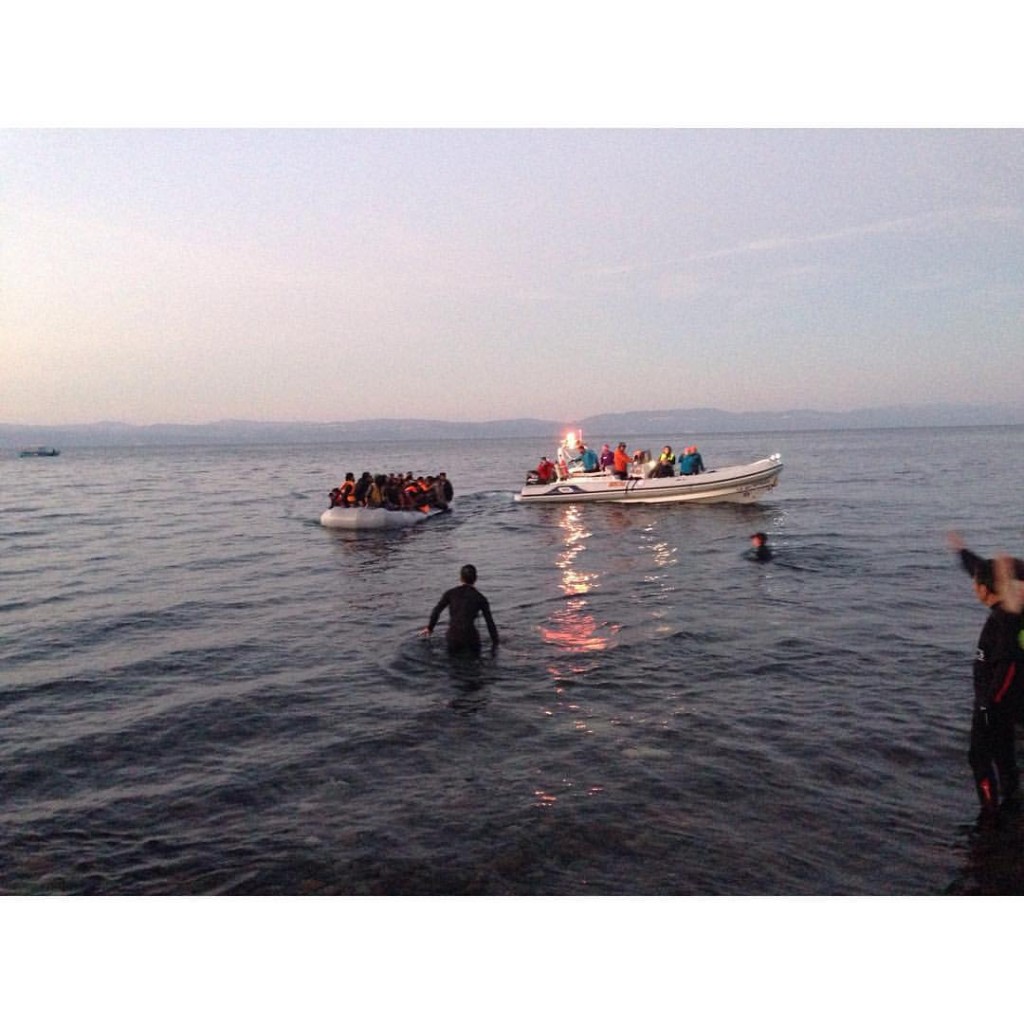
{"x":690,"y":462}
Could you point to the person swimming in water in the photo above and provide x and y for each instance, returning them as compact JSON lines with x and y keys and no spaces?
{"x":464,"y":603}
{"x":759,"y":550}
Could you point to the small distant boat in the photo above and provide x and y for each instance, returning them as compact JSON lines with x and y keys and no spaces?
{"x":741,"y":484}
{"x":339,"y":518}
{"x":27,"y":453}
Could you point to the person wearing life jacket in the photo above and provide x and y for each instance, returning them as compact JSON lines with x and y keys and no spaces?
{"x":347,"y":491}
{"x":421,"y":497}
{"x":428,"y":490}
{"x":341,"y":496}
{"x":666,"y":463}
{"x":410,"y":493}
{"x":690,"y":461}
{"x":375,"y":492}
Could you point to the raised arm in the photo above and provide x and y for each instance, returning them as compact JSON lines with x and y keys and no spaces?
{"x":969,"y":561}
{"x":1009,"y":590}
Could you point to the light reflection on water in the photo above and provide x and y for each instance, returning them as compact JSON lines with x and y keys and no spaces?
{"x":573,"y":626}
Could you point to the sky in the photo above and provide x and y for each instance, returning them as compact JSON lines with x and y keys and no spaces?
{"x":191,"y":272}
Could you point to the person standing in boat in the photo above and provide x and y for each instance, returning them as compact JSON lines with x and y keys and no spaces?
{"x":587,"y":457}
{"x":447,"y":491}
{"x":621,"y":461}
{"x":464,"y":604}
{"x":690,"y":462}
{"x":606,"y":459}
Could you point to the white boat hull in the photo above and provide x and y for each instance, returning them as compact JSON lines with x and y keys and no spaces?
{"x":375,"y":518}
{"x":738,"y":484}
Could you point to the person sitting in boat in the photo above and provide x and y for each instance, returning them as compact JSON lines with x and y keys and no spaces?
{"x":546,"y":471}
{"x":344,"y":496}
{"x":620,"y":461}
{"x":362,"y":486}
{"x":403,"y":495}
{"x":606,"y":459}
{"x":690,"y":461}
{"x":411,"y":493}
{"x":425,"y":495}
{"x":666,"y":463}
{"x":375,"y":492}
{"x":435,"y":493}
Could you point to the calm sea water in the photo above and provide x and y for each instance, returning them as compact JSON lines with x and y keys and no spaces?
{"x":204,"y":691}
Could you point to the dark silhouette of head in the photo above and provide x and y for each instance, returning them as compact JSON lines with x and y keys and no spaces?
{"x":468,"y":574}
{"x":985,"y":575}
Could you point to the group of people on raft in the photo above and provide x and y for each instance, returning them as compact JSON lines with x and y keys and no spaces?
{"x":393,"y":491}
{"x":617,"y":462}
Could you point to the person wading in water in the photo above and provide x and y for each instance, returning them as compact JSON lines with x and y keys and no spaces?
{"x":464,"y":603}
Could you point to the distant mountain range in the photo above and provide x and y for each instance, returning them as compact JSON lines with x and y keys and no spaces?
{"x":673,"y":424}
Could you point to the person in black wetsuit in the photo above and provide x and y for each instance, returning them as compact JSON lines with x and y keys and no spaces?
{"x":464,"y":603}
{"x":998,"y":693}
{"x":998,"y":677}
{"x":759,"y":550}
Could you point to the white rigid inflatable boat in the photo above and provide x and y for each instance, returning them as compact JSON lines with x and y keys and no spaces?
{"x":743,"y":484}
{"x":376,"y":518}
{"x":740,"y":484}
